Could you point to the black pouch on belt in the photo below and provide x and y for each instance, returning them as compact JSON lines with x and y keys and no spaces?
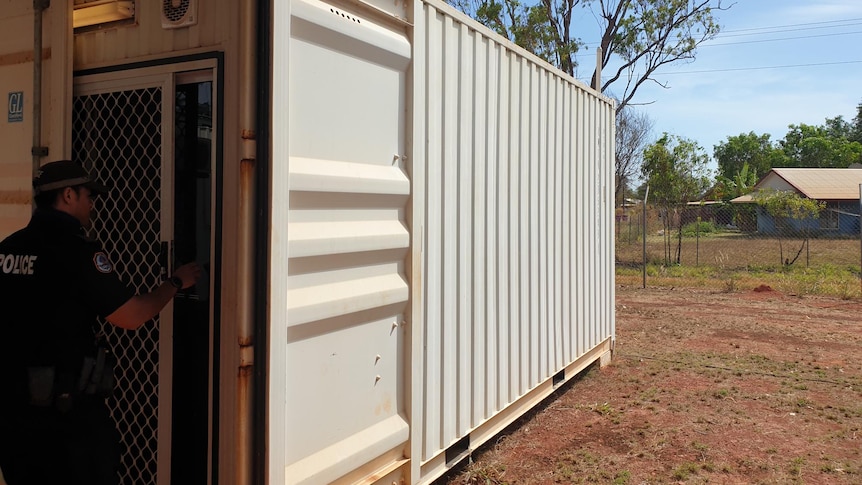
{"x":99,"y":381}
{"x":40,"y":383}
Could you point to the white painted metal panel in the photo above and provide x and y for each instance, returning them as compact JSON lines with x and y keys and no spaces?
{"x":515,"y":160}
{"x":346,"y":244}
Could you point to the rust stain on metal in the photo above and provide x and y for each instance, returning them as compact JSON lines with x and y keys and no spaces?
{"x":246,"y":355}
{"x":245,"y":341}
{"x":384,"y":406}
{"x":246,"y":171}
{"x":17,"y":197}
{"x":22,"y":57}
{"x":248,"y":134}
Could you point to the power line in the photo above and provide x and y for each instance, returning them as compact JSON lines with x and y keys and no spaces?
{"x":762,"y":68}
{"x":757,"y":41}
{"x":795,"y":25}
{"x":593,"y":55}
{"x":722,"y":35}
{"x":780,"y":39}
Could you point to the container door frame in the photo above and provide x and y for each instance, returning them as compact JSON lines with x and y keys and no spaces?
{"x":167,"y":77}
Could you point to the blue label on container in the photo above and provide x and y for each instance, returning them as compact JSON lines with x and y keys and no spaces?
{"x":16,"y":106}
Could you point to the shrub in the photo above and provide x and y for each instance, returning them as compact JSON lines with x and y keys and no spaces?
{"x":702,"y":227}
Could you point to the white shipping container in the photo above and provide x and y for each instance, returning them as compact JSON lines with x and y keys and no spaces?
{"x":407,"y":221}
{"x":514,"y":230}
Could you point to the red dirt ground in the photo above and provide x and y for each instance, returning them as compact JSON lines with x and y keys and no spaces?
{"x":705,"y":387}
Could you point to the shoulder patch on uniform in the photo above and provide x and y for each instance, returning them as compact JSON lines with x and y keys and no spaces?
{"x":103,"y":264}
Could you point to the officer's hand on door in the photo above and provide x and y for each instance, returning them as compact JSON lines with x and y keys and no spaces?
{"x":189,"y":273}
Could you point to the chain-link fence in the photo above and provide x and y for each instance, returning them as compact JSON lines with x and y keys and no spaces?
{"x":734,"y":237}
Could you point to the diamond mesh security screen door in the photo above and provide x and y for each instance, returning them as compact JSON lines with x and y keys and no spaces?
{"x":118,"y":136}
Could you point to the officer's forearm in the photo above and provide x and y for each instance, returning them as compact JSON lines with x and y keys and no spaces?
{"x":140,"y":308}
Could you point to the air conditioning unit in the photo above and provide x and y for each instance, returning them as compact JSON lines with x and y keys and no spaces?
{"x":179,"y":13}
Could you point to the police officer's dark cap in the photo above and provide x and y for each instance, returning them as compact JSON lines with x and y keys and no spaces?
{"x":65,"y":173}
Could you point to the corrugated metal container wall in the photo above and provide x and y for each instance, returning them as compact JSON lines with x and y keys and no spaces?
{"x":515,"y":165}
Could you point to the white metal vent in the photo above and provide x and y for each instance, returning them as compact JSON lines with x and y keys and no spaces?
{"x":344,"y":15}
{"x":179,"y":13}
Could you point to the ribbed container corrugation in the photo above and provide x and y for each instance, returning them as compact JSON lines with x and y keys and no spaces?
{"x":514,"y":161}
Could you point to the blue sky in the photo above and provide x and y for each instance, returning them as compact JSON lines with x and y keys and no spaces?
{"x":725,"y":100}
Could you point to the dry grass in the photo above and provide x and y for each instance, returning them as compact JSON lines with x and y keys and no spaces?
{"x":741,"y":251}
{"x":733,"y":262}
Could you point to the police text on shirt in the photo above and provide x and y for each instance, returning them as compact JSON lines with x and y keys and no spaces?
{"x":17,"y":263}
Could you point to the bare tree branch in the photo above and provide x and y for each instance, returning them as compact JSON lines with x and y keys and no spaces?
{"x":637,"y":36}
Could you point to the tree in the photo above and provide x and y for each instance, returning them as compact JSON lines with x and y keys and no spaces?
{"x":640,"y":36}
{"x":676,"y":170}
{"x":824,"y":146}
{"x":785,"y":207}
{"x":633,"y":130}
{"x":727,"y":189}
{"x":648,"y":34}
{"x":838,"y":127}
{"x":754,"y":151}
{"x":526,"y":25}
{"x":856,"y":131}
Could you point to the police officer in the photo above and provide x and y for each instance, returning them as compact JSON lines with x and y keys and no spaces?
{"x":54,"y":281}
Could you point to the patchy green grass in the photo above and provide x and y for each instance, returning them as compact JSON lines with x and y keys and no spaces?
{"x":583,"y":467}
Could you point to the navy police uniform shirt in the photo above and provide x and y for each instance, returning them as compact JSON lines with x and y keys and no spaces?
{"x":54,"y":281}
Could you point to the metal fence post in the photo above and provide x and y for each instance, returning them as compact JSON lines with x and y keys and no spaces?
{"x":646,"y":196}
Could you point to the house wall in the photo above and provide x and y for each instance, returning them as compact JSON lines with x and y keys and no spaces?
{"x":773,"y":181}
{"x":848,"y":221}
{"x":846,"y":224}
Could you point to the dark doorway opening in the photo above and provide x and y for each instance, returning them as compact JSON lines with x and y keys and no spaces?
{"x":192,"y":381}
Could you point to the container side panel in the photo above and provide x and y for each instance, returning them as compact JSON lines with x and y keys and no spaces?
{"x":499,"y":266}
{"x":584,"y":185}
{"x":489,"y":335}
{"x":558,"y":320}
{"x":478,"y":249}
{"x":449,"y":237}
{"x":277,"y":392}
{"x":566,"y":227}
{"x":346,"y":244}
{"x":513,"y":242}
{"x":434,"y":217}
{"x":464,"y":214}
{"x":516,"y":175}
{"x":524,"y":213}
{"x":542,"y":233}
